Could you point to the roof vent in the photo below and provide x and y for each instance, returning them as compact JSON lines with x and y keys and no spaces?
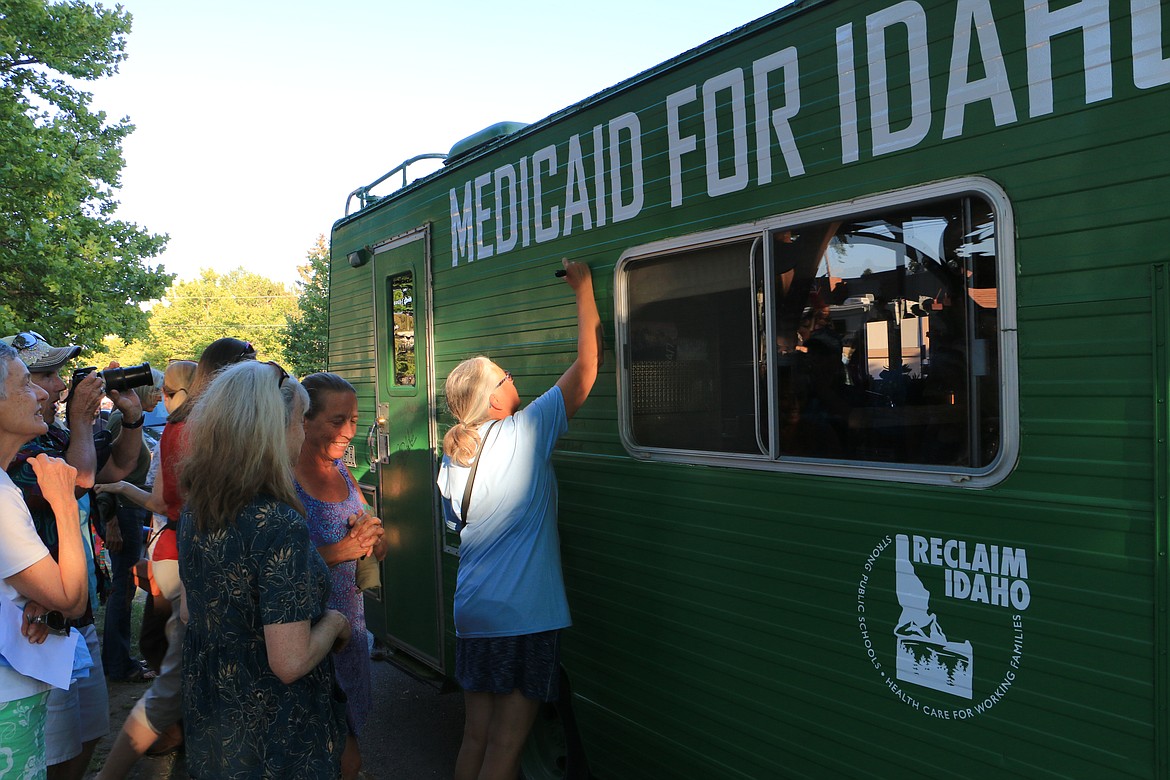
{"x":482,"y":138}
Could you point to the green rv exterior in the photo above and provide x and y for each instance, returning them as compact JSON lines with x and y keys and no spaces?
{"x":874,"y":480}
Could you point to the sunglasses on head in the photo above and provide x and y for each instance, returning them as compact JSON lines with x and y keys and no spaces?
{"x":247,"y":353}
{"x":26,"y":339}
{"x":278,"y":367}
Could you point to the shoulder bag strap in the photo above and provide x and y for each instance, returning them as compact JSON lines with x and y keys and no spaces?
{"x":471,"y":477}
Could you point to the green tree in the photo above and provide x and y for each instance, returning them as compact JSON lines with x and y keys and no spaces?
{"x":240,"y":303}
{"x":306,"y":333}
{"x":73,"y":271}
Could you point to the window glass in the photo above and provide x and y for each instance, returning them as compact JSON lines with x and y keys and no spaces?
{"x":886,"y":337}
{"x":401,"y":293}
{"x":868,"y":339}
{"x":692,"y":363}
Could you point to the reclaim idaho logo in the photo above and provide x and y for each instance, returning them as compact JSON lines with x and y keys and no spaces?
{"x":978,"y":591}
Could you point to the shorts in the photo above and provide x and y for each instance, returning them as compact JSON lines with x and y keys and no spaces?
{"x":80,"y":714}
{"x":22,"y":733}
{"x":529,"y":663}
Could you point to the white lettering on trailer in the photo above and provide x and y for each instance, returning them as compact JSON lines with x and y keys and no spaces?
{"x":998,"y":574}
{"x":785,"y":62}
{"x":626,"y":123}
{"x":547,"y":158}
{"x":731,"y":81}
{"x":1041,"y":25}
{"x":599,"y":177}
{"x":902,"y":636}
{"x":506,"y":239}
{"x":994,"y":86}
{"x":462,"y":240}
{"x":532,"y":200}
{"x":576,"y":193}
{"x":847,"y":95}
{"x":525,"y":231}
{"x":678,"y":144}
{"x":482,"y":214}
{"x":911,"y":16}
{"x":1150,"y":68}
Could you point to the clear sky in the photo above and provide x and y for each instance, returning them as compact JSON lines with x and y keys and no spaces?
{"x":256,"y":118}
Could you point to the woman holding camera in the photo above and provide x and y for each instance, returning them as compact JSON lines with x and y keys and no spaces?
{"x":29,"y":577}
{"x":257,"y":676}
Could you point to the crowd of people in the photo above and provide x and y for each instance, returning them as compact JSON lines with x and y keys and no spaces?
{"x":246,"y":528}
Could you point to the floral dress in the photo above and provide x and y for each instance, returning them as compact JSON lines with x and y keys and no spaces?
{"x":328,"y":524}
{"x":240,"y":720}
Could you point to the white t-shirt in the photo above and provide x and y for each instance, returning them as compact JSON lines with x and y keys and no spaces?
{"x":20,"y":547}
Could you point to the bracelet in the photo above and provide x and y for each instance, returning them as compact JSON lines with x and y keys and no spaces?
{"x":137,"y":424}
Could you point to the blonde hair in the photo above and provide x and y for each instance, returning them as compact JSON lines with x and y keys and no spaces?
{"x":237,"y":443}
{"x":468,"y":389}
{"x":183,"y":372}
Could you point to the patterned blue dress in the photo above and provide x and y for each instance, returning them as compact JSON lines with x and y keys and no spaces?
{"x":328,"y":524}
{"x":240,"y":720}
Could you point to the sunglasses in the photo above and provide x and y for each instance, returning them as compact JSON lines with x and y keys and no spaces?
{"x":278,"y":367}
{"x":52,"y":620}
{"x":171,"y":393}
{"x":507,"y":376}
{"x":27,"y":339}
{"x":248,"y":353}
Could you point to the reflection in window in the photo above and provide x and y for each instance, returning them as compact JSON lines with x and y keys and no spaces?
{"x":882,"y":348}
{"x":886,"y":337}
{"x":401,"y":293}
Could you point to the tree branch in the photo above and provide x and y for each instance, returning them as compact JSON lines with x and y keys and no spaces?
{"x":20,"y":64}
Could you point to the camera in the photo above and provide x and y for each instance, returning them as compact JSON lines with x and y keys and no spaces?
{"x":120,"y":379}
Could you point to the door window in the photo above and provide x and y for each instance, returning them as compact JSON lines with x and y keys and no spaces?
{"x":401,"y":292}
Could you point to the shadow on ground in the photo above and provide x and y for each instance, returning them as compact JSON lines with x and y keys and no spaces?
{"x":413,"y":731}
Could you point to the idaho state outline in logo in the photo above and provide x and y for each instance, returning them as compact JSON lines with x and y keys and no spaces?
{"x":941,"y":621}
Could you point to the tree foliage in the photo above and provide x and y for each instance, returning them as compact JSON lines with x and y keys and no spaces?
{"x":74,"y":272}
{"x":306,"y":332}
{"x":240,"y":303}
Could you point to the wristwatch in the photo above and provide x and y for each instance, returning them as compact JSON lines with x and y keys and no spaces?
{"x":136,"y":424}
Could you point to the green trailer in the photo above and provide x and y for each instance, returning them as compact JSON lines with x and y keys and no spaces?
{"x":874,"y":479}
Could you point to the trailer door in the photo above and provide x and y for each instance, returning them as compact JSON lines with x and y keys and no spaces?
{"x":410,"y":605}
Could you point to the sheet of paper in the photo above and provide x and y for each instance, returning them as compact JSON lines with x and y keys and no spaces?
{"x":51,"y":662}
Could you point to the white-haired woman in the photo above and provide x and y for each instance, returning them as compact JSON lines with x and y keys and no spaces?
{"x":30,"y":578}
{"x":258,"y":693}
{"x":510,"y":600}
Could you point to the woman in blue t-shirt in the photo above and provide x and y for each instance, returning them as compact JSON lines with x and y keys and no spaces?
{"x":509,"y":597}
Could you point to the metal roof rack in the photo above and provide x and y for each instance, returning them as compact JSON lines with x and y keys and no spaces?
{"x":363,"y":193}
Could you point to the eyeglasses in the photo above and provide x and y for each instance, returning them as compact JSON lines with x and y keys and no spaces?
{"x":52,"y":620}
{"x":278,"y":367}
{"x":171,"y":393}
{"x":27,"y":340}
{"x":507,"y":377}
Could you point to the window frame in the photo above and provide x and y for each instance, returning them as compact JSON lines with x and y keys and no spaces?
{"x":979,"y":477}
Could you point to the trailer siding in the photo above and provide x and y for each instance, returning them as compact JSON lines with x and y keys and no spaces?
{"x":715,"y":609}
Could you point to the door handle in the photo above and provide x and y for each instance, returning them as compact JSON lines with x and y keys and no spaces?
{"x":378,"y":442}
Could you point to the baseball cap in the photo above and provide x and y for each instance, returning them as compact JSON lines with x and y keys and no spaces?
{"x":38,"y":354}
